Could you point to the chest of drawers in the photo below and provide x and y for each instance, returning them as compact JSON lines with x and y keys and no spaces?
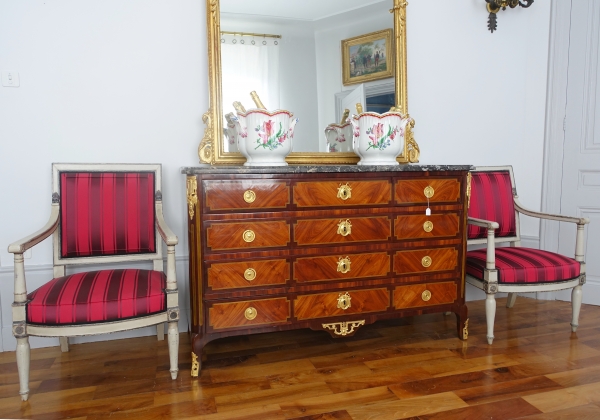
{"x":324,"y":247}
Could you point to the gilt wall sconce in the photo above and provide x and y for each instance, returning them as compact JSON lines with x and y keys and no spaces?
{"x":494,"y":6}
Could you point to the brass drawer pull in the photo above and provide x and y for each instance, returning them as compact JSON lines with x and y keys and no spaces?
{"x":428,"y":226}
{"x":426,"y":295}
{"x":250,"y":313}
{"x":250,"y":274}
{"x":428,"y":191}
{"x":248,"y":235}
{"x":344,"y":227}
{"x":344,"y":192}
{"x":426,"y":261}
{"x":249,"y":196}
{"x":343,"y":265}
{"x":343,"y":301}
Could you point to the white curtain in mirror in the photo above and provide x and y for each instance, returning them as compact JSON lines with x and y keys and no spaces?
{"x":249,"y":64}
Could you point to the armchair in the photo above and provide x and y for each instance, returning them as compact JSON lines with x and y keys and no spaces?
{"x":493,"y":217}
{"x":100,"y":213}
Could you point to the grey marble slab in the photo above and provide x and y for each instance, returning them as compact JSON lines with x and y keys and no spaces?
{"x":303,"y":169}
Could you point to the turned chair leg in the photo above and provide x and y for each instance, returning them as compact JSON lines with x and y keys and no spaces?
{"x":490,"y":314}
{"x":576,"y":296}
{"x":173,"y":337}
{"x":160,"y":331}
{"x":512,"y":297}
{"x":23,"y":357}
{"x":64,"y":344}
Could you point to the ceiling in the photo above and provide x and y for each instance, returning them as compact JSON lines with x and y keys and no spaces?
{"x":295,"y":9}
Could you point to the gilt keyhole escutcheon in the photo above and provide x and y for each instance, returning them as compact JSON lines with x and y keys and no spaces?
{"x":343,"y":265}
{"x":344,"y":227}
{"x":344,"y":191}
{"x":343,"y":301}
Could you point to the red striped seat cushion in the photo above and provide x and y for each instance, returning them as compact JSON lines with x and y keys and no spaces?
{"x":97,"y":296}
{"x":524,"y":265}
{"x":106,"y":213}
{"x":492,"y":199}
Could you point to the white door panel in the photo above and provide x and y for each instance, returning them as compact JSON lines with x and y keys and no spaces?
{"x":581,"y":154}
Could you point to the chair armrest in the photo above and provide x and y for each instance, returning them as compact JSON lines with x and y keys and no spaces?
{"x":488,"y":224}
{"x":24,"y":244}
{"x":164,"y":231}
{"x":548,"y":216}
{"x":490,"y":261}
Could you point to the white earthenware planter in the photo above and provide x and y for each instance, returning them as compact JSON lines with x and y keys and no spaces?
{"x":378,"y":138}
{"x":265,"y":138}
{"x":339,"y":137}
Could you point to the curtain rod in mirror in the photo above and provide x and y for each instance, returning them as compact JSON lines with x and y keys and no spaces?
{"x":211,"y":148}
{"x":250,"y":34}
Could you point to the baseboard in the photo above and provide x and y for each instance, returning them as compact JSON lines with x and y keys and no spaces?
{"x":37,"y":275}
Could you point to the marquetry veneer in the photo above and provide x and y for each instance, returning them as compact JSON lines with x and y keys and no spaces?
{"x":285,"y":248}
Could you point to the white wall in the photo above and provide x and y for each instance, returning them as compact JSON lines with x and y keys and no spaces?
{"x":101,"y":81}
{"x":126,"y":81}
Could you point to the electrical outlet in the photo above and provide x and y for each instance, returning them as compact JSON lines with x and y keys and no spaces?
{"x":10,"y":79}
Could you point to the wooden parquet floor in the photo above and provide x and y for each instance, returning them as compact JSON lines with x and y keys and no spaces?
{"x":410,"y":368}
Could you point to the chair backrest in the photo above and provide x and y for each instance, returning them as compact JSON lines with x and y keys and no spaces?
{"x":107,"y":212}
{"x":492,"y":198}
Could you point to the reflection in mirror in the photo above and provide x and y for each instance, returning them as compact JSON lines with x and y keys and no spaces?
{"x":289,"y":52}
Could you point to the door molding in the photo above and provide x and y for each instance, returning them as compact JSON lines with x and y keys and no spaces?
{"x":554,"y":134}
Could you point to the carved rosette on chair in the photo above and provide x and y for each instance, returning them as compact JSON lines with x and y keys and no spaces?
{"x":99,"y":214}
{"x":494,"y":218}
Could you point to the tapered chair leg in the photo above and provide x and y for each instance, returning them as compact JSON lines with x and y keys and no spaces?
{"x":173,"y":337}
{"x":512,"y":297}
{"x":23,"y":357}
{"x":160,"y":331}
{"x":576,"y":297}
{"x":64,"y":344}
{"x":490,"y":314}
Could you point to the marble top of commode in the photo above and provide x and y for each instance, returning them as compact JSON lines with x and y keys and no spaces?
{"x":300,"y":169}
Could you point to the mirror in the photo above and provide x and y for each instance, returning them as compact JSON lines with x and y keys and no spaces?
{"x":304,"y":39}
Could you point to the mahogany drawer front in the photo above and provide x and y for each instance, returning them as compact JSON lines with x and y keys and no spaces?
{"x":414,"y":190}
{"x":425,"y":260}
{"x":250,"y":312}
{"x":341,"y":230}
{"x":418,"y":295}
{"x":247,"y":235}
{"x":246,"y":194}
{"x":421,"y":226}
{"x":331,"y":304}
{"x":339,"y":267}
{"x":342,"y":193}
{"x":248,"y":274}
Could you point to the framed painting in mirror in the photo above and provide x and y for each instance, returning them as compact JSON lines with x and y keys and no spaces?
{"x":368,"y":57}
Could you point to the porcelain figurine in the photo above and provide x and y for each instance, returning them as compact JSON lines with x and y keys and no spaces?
{"x":378,"y":138}
{"x":231,"y":134}
{"x":339,"y":137}
{"x":264,"y":137}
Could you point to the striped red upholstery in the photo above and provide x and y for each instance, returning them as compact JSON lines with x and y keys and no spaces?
{"x":492,"y":199}
{"x":524,"y":265}
{"x":106,"y":213}
{"x":97,"y":296}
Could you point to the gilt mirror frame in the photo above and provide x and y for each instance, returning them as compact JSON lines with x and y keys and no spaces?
{"x":211,"y":149}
